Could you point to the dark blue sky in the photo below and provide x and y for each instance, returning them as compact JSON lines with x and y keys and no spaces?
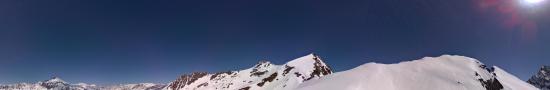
{"x":130,"y":41}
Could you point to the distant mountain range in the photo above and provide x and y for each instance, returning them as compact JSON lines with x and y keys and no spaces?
{"x":56,"y":83}
{"x":447,"y":72}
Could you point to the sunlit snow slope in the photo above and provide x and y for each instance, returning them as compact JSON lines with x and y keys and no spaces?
{"x":431,"y":73}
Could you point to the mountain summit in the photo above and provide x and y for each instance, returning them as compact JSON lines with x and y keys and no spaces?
{"x":262,"y":76}
{"x":542,"y":78}
{"x":447,"y":72}
{"x":55,"y":83}
{"x":55,"y":80}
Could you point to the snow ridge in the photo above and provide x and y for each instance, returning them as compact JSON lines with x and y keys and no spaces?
{"x":262,"y":76}
{"x":447,"y":72}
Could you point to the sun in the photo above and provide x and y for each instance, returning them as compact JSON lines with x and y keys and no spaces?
{"x":532,"y":4}
{"x":533,"y":1}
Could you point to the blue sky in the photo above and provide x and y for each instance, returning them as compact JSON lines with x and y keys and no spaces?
{"x":130,"y":41}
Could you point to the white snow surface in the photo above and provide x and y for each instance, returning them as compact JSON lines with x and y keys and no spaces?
{"x":55,"y":80}
{"x":512,"y":81}
{"x":447,"y":72}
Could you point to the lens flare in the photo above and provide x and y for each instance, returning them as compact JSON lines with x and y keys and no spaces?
{"x":533,"y":1}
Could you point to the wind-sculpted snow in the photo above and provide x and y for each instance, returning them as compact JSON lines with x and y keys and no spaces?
{"x":262,"y":76}
{"x":431,"y":73}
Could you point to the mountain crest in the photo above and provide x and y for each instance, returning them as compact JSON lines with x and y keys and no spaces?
{"x":311,"y":63}
{"x":263,"y":63}
{"x":55,"y":80}
{"x":308,"y":59}
{"x":541,"y":79}
{"x":263,"y":75}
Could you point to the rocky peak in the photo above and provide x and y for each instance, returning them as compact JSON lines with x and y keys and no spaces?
{"x":311,"y":61}
{"x":263,"y":63}
{"x":541,"y":79}
{"x":309,"y":67}
{"x":186,"y":79}
{"x":320,"y":67}
{"x":261,"y":68}
{"x":54,"y":83}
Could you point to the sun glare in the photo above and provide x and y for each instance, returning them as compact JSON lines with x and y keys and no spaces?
{"x":533,"y":1}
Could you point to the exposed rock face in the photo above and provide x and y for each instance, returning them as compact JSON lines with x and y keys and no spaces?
{"x":262,"y":76}
{"x":541,"y":79}
{"x":492,"y":83}
{"x":186,"y":80}
{"x":320,"y":69}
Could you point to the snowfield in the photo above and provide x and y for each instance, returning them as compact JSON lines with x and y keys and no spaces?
{"x":446,"y":72}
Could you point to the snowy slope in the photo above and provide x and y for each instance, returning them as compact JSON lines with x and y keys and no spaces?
{"x":263,"y":76}
{"x":431,"y":73}
{"x":511,"y":81}
{"x":542,"y":78}
{"x":139,"y":86}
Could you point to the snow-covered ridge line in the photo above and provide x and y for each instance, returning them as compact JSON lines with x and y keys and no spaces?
{"x":262,"y":76}
{"x":446,"y":72}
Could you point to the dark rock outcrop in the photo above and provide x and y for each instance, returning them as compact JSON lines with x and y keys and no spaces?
{"x":186,"y":79}
{"x":541,"y":79}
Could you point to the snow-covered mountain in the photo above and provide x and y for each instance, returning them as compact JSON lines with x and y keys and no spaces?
{"x":263,"y":76}
{"x":431,"y":73}
{"x":56,"y":83}
{"x":447,"y":72}
{"x":541,"y":79}
{"x":139,"y":86}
